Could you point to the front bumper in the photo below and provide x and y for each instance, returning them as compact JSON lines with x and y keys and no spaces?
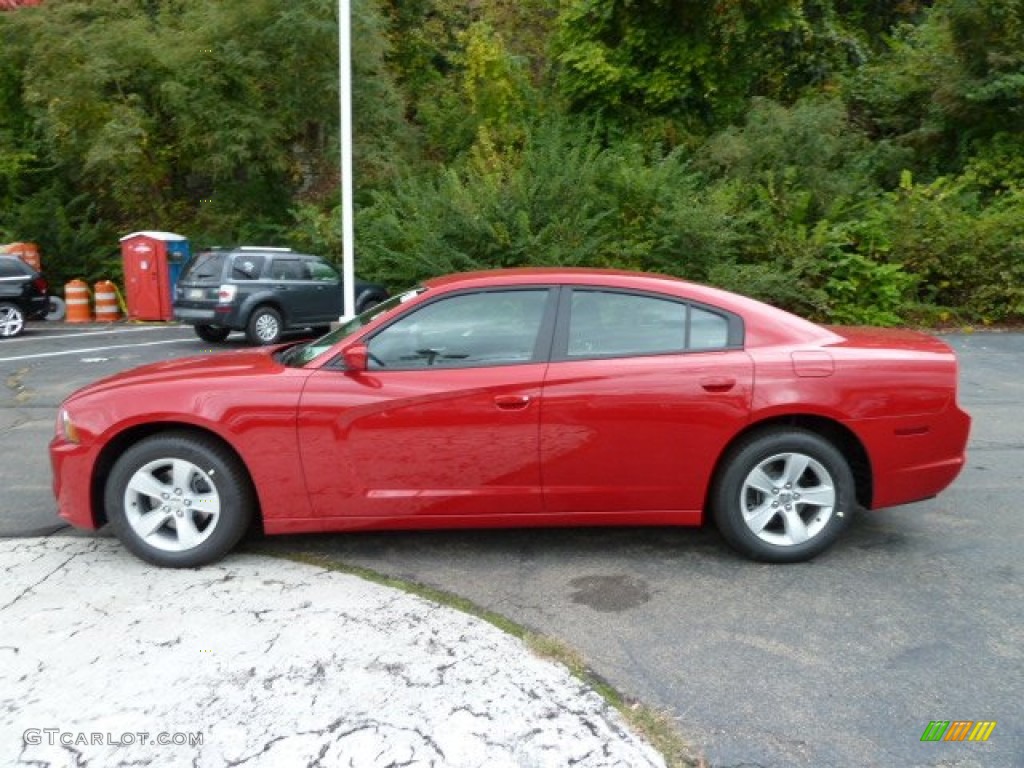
{"x":72,"y":465}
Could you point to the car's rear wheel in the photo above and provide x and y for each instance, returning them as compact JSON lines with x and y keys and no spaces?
{"x":179,"y":500}
{"x":12,"y":320}
{"x":211,"y":333}
{"x":264,"y":326}
{"x":783,"y":496}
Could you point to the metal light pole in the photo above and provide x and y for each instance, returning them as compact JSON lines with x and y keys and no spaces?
{"x":347,"y":209}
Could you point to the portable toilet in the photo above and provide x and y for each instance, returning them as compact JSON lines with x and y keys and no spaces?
{"x":153,"y":262}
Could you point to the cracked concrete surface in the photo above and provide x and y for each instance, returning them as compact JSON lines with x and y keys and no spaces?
{"x":273,"y":663}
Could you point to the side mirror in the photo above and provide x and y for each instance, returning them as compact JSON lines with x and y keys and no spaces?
{"x":355,"y":357}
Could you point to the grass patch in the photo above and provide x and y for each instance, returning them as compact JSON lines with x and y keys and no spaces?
{"x":655,"y":726}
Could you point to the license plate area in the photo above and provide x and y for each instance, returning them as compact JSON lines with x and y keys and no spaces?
{"x":196,"y":293}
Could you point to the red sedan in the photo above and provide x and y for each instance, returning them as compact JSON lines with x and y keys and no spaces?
{"x":521,"y":398}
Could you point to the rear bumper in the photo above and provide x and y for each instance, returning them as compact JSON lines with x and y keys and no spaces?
{"x":915,"y":457}
{"x":37,"y":308}
{"x":225,"y":316}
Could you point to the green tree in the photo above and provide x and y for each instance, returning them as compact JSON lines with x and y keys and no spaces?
{"x":697,"y":62}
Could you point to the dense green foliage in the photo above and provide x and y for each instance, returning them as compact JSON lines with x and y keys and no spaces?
{"x":853,"y":160}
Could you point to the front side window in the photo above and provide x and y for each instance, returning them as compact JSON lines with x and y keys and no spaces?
{"x":322,"y":271}
{"x":612,"y":324}
{"x":465,"y":330}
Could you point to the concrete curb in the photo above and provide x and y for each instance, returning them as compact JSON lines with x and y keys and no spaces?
{"x":269,"y":662}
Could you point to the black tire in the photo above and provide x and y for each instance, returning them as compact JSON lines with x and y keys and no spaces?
{"x":211,"y":333}
{"x":153,"y":527}
{"x":783,"y":496}
{"x":264,"y":326}
{"x":57,"y":309}
{"x":368,"y":302}
{"x":12,"y":320}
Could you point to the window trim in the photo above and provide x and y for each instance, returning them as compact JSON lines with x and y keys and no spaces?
{"x":735,"y":330}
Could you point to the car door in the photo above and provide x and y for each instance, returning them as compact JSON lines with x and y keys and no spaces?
{"x":445,"y":421}
{"x":642,"y":393}
{"x":324,"y":294}
{"x":291,"y":284}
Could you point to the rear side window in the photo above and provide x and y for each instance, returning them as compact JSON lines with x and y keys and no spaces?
{"x":247,"y":266}
{"x":205,"y":266}
{"x":613,"y":324}
{"x":708,"y":330}
{"x":12,"y":268}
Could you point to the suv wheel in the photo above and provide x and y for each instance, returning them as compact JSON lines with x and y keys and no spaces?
{"x":211,"y":333}
{"x":12,"y":320}
{"x":264,"y":326}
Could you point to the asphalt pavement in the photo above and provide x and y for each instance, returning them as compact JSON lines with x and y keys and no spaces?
{"x":915,"y":615}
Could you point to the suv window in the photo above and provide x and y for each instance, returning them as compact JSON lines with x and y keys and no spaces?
{"x":12,"y":267}
{"x":247,"y":266}
{"x":205,"y":265}
{"x":289,"y":269}
{"x":466,"y":330}
{"x":322,"y":271}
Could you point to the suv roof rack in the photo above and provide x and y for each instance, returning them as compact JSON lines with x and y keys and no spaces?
{"x":263,"y":248}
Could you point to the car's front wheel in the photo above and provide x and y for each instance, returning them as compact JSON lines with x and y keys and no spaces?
{"x":179,"y":500}
{"x":784,"y":496}
{"x":12,"y":320}
{"x":264,"y":326}
{"x":211,"y":333}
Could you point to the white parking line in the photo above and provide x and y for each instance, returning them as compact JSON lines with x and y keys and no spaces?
{"x":36,"y":335}
{"x":90,"y":349}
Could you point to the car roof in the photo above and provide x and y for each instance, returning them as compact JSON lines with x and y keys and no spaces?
{"x":766,"y":324}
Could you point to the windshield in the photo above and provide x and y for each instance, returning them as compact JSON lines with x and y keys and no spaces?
{"x":298,"y":356}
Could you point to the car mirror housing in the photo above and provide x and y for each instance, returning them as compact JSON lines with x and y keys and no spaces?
{"x":355,"y":357}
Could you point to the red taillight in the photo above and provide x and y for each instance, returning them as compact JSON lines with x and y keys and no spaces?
{"x":40,"y":285}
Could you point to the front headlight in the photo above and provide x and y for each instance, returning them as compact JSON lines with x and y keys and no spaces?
{"x":66,"y":427}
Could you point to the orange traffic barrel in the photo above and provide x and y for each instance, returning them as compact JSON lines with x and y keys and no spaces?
{"x":105,"y":293}
{"x":76,"y":296}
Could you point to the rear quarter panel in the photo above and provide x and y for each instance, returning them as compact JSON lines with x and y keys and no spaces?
{"x":900,"y":403}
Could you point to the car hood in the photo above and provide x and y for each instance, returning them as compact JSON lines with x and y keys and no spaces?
{"x":221,"y":366}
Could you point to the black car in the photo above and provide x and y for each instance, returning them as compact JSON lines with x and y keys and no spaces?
{"x":264,"y":292}
{"x":22,"y":296}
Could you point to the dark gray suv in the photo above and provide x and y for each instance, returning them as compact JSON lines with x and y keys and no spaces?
{"x":264,"y":292}
{"x":23,"y":296}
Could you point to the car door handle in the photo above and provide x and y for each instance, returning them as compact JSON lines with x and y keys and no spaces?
{"x":718,"y":383}
{"x":512,"y":402}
